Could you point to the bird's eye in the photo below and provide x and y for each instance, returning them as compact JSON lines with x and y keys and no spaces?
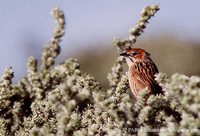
{"x":134,"y":53}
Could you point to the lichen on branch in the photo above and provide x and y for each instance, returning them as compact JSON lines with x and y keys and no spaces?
{"x":138,"y":29}
{"x":52,"y":51}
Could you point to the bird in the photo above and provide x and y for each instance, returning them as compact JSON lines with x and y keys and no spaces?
{"x":141,"y":71}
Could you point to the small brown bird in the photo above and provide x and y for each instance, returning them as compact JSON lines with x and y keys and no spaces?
{"x":142,"y":70}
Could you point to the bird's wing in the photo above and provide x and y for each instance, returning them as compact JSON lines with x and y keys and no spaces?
{"x":144,"y":75}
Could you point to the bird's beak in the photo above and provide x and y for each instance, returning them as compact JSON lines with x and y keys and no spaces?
{"x":124,"y":54}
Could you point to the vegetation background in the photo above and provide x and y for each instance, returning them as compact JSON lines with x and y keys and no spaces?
{"x":62,"y":100}
{"x":172,"y":37}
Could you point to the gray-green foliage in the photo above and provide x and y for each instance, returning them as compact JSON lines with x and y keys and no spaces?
{"x":61,"y":100}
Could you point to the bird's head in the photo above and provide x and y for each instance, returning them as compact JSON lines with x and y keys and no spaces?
{"x":134,"y":55}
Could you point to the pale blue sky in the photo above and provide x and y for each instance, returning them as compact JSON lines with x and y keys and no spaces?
{"x":26,"y":25}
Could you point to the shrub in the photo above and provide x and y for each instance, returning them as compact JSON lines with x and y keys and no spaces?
{"x":61,"y":100}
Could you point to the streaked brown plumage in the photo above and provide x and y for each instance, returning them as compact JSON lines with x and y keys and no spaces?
{"x":142,"y":70}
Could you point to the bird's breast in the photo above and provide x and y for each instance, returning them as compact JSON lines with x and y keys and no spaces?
{"x":136,"y":81}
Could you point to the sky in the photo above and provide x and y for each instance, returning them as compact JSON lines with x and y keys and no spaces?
{"x":27,"y":25}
